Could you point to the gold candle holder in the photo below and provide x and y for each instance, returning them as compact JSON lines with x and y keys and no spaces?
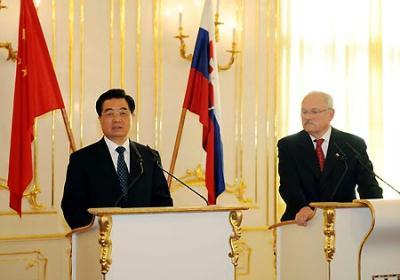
{"x":217,"y":23}
{"x":228,"y":65}
{"x":182,"y":45}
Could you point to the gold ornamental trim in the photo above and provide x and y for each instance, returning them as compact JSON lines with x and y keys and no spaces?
{"x":105,"y":224}
{"x":329,"y":232}
{"x":274,"y":226}
{"x":155,"y":210}
{"x":371,"y":208}
{"x":330,"y":205}
{"x":235,"y":218}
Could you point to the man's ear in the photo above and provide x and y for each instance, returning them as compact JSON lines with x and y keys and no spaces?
{"x":332,"y":113}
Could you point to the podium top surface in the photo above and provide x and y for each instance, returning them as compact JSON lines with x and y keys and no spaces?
{"x":153,"y":210}
{"x":329,"y":205}
{"x":357,"y":203}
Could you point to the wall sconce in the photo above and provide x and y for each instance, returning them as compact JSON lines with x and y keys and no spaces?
{"x":182,"y":45}
{"x":11,"y":53}
{"x":7,"y":45}
{"x":2,"y":6}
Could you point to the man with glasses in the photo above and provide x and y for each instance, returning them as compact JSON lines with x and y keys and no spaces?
{"x":321,"y":163}
{"x":115,"y":171}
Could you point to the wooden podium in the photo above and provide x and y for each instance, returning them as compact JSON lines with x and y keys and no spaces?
{"x":158,"y":243}
{"x":343,"y":241}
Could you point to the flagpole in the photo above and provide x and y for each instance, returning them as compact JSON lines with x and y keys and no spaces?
{"x":69,"y":130}
{"x":177,"y":144}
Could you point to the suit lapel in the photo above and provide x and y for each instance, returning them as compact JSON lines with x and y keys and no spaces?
{"x":332,"y":157}
{"x":134,"y":168}
{"x":331,"y":163}
{"x":307,"y":152}
{"x":105,"y":157}
{"x":106,"y":165}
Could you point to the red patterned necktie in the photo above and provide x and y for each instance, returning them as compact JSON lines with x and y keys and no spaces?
{"x":320,"y":153}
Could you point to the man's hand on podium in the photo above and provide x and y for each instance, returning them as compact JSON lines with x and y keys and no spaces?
{"x":304,"y":214}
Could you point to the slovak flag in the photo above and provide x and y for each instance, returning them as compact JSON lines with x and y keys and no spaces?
{"x":202,"y":98}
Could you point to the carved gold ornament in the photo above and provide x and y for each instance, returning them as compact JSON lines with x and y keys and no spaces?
{"x":196,"y":177}
{"x":31,"y":195}
{"x":235,"y":218}
{"x":105,"y":223}
{"x":329,"y":232}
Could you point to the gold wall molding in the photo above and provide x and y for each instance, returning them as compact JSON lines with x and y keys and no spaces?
{"x":105,"y":224}
{"x":329,"y":232}
{"x":244,"y":262}
{"x":138,"y":77}
{"x":196,"y":177}
{"x":27,"y":237}
{"x":81,"y":69}
{"x":30,"y":194}
{"x":31,"y":262}
{"x":158,"y":74}
{"x":71,"y":23}
{"x":111,"y":42}
{"x":235,"y":218}
{"x":43,"y":211}
{"x":239,"y":188}
{"x":53,"y":113}
{"x":122,"y":31}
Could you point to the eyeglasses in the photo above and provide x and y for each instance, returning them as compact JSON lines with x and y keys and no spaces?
{"x":109,"y":113}
{"x":314,"y":112}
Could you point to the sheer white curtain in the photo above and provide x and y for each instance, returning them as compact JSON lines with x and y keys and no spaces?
{"x":350,"y":49}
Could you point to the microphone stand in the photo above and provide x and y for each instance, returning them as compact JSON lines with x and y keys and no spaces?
{"x":358,"y":157}
{"x":186,"y":185}
{"x":342,"y":157}
{"x":156,"y":158}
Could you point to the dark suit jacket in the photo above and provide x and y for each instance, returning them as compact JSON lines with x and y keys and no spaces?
{"x":302,"y":182}
{"x":92,"y":181}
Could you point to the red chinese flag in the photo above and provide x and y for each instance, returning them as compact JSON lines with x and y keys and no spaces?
{"x":36,"y":92}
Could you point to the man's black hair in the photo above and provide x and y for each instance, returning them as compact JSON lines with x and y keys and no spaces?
{"x":111,"y":94}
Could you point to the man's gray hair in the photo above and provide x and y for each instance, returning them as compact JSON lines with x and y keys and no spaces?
{"x":327,"y":97}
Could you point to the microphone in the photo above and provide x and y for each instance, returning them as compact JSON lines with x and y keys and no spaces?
{"x":157,"y":160}
{"x":132,"y":184}
{"x":369,"y":167}
{"x":342,"y":156}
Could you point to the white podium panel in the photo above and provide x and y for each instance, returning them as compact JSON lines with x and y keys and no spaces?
{"x":359,"y":240}
{"x":380,"y":254}
{"x":158,"y":243}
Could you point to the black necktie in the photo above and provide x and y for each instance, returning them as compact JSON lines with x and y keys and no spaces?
{"x":122,"y":171}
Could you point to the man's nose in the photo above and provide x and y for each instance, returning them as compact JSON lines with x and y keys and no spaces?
{"x":117,"y":117}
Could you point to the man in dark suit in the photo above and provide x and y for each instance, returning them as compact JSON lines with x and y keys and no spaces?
{"x":114,"y":171}
{"x":321,"y":163}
